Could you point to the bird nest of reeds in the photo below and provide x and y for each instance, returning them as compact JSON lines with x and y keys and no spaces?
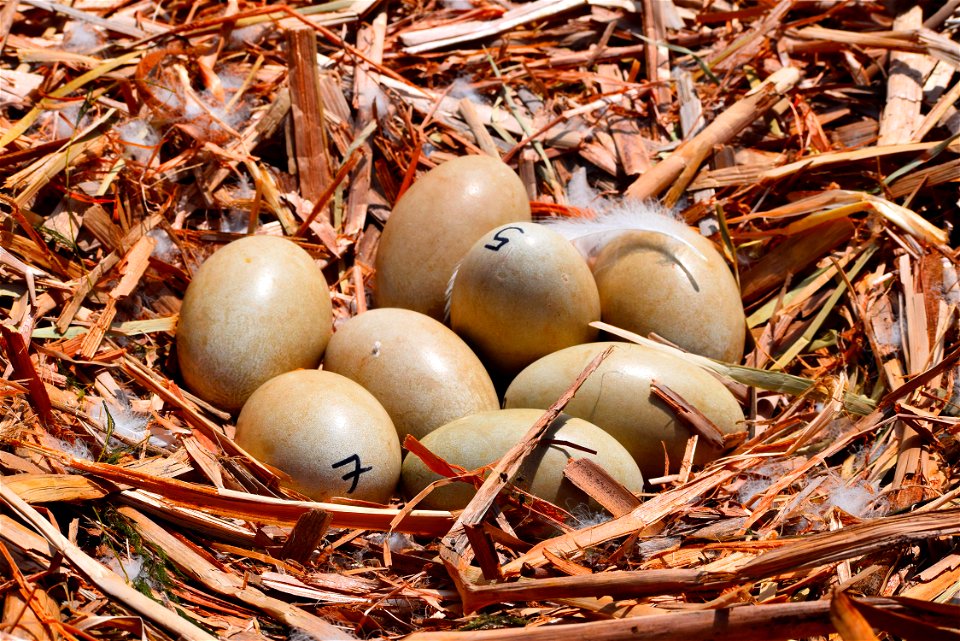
{"x":814,"y":141}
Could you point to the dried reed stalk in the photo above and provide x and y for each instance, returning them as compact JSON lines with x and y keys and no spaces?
{"x":678,"y":170}
{"x":749,"y":623}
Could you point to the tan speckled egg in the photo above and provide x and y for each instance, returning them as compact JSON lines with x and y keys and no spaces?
{"x":327,"y":433}
{"x":422,"y":373}
{"x":652,"y":282}
{"x":256,"y":308}
{"x":433,"y":225}
{"x":617,"y":398}
{"x":474,"y":441}
{"x":521,"y":292}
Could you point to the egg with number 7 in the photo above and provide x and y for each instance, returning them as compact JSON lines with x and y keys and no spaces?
{"x":521,"y":292}
{"x":327,"y":433}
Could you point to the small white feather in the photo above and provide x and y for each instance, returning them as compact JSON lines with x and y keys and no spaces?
{"x":448,"y":294}
{"x":614,"y":218}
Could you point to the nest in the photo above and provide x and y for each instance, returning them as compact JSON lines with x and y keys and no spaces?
{"x":814,"y":141}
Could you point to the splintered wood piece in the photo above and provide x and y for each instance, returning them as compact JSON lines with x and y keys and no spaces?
{"x":306,"y":535}
{"x":323,"y":229}
{"x":22,"y":619}
{"x":309,"y":129}
{"x":793,"y":554}
{"x":656,"y":56}
{"x":90,"y":280}
{"x":773,"y":622}
{"x":97,"y":221}
{"x":49,"y":488}
{"x":824,"y":548}
{"x":647,"y":514}
{"x":455,"y":544}
{"x":262,"y":509}
{"x":901,"y":114}
{"x":133,"y":266}
{"x":851,"y":625}
{"x":746,"y":47}
{"x":93,"y":338}
{"x":597,"y":483}
{"x":111,"y":584}
{"x":424,"y":40}
{"x":625,"y":131}
{"x":484,"y":551}
{"x":84,"y":288}
{"x":689,"y":415}
{"x":680,"y":167}
{"x":370,"y":41}
{"x":18,"y":353}
{"x":483,"y":137}
{"x":618,"y":584}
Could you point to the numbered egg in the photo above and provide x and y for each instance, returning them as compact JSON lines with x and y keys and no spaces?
{"x":481,"y":439}
{"x":256,"y":308}
{"x":675,"y":285}
{"x":327,"y":433}
{"x":422,"y":373}
{"x":521,"y":292}
{"x":433,"y":225}
{"x":617,"y":398}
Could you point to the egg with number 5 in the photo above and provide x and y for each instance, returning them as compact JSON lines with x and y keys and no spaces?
{"x":434,"y":223}
{"x":256,"y":308}
{"x":481,"y":439}
{"x":521,"y":292}
{"x":327,"y":433}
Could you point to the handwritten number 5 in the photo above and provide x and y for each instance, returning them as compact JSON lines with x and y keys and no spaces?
{"x":501,"y":239}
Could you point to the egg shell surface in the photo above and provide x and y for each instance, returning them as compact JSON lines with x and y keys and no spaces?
{"x":331,"y":436}
{"x":521,"y":292}
{"x":435,"y":222}
{"x":617,"y":398}
{"x":256,"y":308}
{"x":682,"y":291}
{"x":481,"y":439}
{"x":422,"y":373}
